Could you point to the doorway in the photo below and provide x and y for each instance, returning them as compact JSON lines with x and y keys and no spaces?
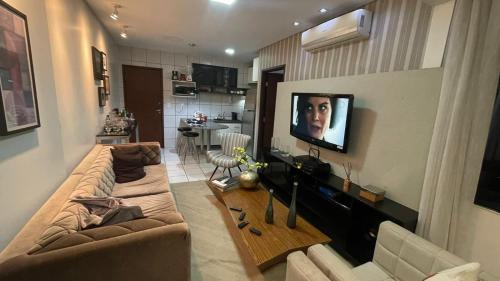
{"x":268,"y":90}
{"x":143,"y":93}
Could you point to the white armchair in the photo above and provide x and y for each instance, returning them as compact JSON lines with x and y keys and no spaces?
{"x":399,"y":255}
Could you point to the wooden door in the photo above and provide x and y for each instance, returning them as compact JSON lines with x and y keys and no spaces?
{"x":143,"y":91}
{"x":267,"y":107}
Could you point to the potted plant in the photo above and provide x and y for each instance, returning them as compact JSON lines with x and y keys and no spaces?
{"x":248,"y":178}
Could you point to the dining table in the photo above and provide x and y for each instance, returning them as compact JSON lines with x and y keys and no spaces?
{"x":205,"y":129}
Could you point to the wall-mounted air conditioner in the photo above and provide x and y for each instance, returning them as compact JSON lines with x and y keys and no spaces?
{"x":351,"y":26}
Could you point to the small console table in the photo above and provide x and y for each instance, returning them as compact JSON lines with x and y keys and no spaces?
{"x":349,"y":220}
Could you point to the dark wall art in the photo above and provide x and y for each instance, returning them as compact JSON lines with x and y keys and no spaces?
{"x":18,"y":103}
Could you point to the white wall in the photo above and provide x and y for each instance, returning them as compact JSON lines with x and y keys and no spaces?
{"x":73,"y":30}
{"x":391,"y":128}
{"x":438,"y":33}
{"x":33,"y":164}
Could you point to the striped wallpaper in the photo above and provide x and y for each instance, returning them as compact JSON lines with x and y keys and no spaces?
{"x":397,"y":42}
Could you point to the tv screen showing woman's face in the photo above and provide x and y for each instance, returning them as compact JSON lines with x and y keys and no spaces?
{"x":318,"y":111}
{"x":320,"y":117}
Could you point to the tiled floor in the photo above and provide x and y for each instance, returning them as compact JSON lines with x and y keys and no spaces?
{"x":191,"y":170}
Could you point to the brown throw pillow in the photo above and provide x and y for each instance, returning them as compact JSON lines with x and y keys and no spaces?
{"x":127,"y":165}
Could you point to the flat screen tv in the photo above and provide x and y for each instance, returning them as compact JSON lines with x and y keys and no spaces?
{"x":322,"y":119}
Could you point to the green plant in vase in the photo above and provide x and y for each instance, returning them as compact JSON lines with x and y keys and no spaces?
{"x":249,"y":178}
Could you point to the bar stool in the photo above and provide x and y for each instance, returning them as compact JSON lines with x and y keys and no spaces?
{"x":180,"y":138}
{"x":190,"y":144}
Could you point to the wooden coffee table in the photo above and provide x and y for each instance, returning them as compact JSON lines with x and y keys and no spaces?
{"x":277,"y":240}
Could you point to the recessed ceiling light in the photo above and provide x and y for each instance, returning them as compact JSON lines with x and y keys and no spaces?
{"x":296,"y":23}
{"x":114,"y":14}
{"x":227,"y":2}
{"x":323,"y":10}
{"x":230,"y":51}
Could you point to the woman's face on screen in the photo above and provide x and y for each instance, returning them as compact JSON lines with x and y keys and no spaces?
{"x":318,"y":112}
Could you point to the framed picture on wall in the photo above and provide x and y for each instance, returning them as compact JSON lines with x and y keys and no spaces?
{"x":107,"y":87}
{"x":104,"y":59}
{"x":97,"y":64}
{"x":101,"y":94}
{"x":18,"y":102}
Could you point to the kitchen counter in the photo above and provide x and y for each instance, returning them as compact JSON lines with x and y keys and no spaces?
{"x":227,"y":121}
{"x":209,"y":125}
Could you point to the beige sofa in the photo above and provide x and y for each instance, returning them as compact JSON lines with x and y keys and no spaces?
{"x":399,"y":255}
{"x":52,"y":246}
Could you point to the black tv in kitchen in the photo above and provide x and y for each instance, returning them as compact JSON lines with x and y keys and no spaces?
{"x":215,"y":76}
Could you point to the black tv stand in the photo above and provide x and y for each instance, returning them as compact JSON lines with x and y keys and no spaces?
{"x":351,"y":221}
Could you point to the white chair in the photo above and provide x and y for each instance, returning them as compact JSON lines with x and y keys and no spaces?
{"x":399,"y":255}
{"x":224,"y":157}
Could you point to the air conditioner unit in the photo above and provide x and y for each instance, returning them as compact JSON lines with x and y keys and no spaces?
{"x":351,"y":26}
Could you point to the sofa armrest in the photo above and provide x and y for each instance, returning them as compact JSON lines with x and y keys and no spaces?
{"x":331,"y":265}
{"x":300,"y":268}
{"x":150,"y":254}
{"x":151,"y":151}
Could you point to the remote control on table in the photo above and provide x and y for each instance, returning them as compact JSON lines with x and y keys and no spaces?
{"x":235,"y":209}
{"x":242,"y":224}
{"x":255,"y":231}
{"x":242,"y":216}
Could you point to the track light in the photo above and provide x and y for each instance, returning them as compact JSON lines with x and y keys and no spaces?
{"x":124,"y":34}
{"x":114,"y":14}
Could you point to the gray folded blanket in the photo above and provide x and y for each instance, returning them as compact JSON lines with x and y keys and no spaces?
{"x":106,"y":211}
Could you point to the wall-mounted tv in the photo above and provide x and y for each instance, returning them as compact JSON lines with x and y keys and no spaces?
{"x":322,"y":119}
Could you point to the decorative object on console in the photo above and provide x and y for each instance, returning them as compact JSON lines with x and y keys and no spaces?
{"x":248,"y":178}
{"x":107,"y":87}
{"x":101,"y":94}
{"x":285,"y":150}
{"x":97,"y":63}
{"x":291,"y":221}
{"x":18,"y":105}
{"x":372,"y":193}
{"x":275,"y":146}
{"x":347,"y":180}
{"x":175,"y":75}
{"x":269,"y":211}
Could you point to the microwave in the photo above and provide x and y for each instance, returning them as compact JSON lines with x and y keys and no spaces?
{"x":184,"y":89}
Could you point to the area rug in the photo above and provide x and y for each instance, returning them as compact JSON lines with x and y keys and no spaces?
{"x":215,"y":255}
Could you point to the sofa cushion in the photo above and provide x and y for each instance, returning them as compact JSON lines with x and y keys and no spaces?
{"x":151,"y":151}
{"x":153,"y":205}
{"x":370,"y":272}
{"x":105,"y":232}
{"x":466,"y":272}
{"x":128,"y":165}
{"x":65,"y":222}
{"x":300,"y":268}
{"x":88,"y":160}
{"x":154,"y":182}
{"x":99,"y":178}
{"x":331,"y":265}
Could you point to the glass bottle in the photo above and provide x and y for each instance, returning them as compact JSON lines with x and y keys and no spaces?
{"x":292,"y":211}
{"x":108,"y":125}
{"x":269,"y":212}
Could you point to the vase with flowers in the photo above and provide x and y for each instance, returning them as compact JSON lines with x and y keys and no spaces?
{"x":248,"y":178}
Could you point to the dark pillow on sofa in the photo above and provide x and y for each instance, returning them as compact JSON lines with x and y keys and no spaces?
{"x":127,"y":165}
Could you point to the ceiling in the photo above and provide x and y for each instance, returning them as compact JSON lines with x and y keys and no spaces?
{"x":246,"y":26}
